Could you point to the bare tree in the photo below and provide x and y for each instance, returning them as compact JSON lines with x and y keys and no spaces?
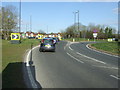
{"x":41,"y":31}
{"x":9,"y":20}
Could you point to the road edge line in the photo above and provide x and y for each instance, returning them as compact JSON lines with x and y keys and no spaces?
{"x":31,"y":78}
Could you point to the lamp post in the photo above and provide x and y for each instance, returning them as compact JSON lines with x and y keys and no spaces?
{"x":20,"y":17}
{"x":30,"y":23}
{"x":74,"y":21}
{"x":77,"y":12}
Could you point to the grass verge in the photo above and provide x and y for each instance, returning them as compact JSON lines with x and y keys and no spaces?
{"x":15,"y":52}
{"x":108,"y":47}
{"x":104,"y":46}
{"x":84,"y":39}
{"x":12,"y":62}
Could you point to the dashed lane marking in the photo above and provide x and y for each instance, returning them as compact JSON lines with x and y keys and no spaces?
{"x":106,"y":67}
{"x":91,"y":58}
{"x":115,"y":77}
{"x":70,"y":48}
{"x":75,"y":58}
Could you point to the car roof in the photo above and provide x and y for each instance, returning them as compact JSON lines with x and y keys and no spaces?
{"x":47,"y":38}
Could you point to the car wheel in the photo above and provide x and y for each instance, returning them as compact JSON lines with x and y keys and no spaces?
{"x":40,"y":50}
{"x":53,"y":50}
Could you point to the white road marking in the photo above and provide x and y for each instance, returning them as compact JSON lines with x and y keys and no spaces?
{"x":115,"y":77}
{"x":70,"y":48}
{"x":66,"y":44}
{"x":34,"y":85}
{"x":91,"y":58}
{"x":106,"y":67}
{"x":27,"y":59}
{"x":32,"y":81}
{"x":101,"y":52}
{"x":75,"y":58}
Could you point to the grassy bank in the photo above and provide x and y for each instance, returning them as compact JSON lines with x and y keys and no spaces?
{"x":14,"y":52}
{"x":110,"y":47}
{"x":83,"y":39}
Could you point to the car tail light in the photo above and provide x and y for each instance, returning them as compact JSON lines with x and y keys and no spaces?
{"x":52,"y":41}
{"x":42,"y":41}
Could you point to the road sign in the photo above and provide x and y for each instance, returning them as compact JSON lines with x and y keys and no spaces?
{"x":15,"y":36}
{"x":94,"y":35}
{"x":94,"y":31}
{"x":40,"y":36}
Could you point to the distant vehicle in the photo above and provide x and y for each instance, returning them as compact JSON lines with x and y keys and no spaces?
{"x":55,"y":39}
{"x":47,"y":44}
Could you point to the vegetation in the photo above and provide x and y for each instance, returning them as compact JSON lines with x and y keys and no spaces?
{"x":14,"y":52}
{"x":9,"y":19}
{"x":104,"y":32}
{"x":84,"y":39}
{"x":111,"y":47}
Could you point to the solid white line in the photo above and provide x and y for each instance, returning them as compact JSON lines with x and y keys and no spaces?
{"x":106,"y":67}
{"x":101,"y":52}
{"x":91,"y":58}
{"x":70,"y":48}
{"x":114,"y":77}
{"x":34,"y":85}
{"x":75,"y":58}
{"x":66,"y":44}
{"x":31,"y":78}
{"x":27,"y":59}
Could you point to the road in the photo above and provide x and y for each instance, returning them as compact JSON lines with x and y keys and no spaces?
{"x":73,"y":65}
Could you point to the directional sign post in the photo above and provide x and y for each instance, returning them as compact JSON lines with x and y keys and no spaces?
{"x":95,"y":34}
{"x":15,"y":38}
{"x":40,"y":36}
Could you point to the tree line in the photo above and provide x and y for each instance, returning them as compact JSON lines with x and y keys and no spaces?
{"x":83,"y":31}
{"x":9,"y":21}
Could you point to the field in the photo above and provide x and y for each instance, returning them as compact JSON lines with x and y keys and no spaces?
{"x":84,"y":39}
{"x":15,"y":52}
{"x":110,"y":47}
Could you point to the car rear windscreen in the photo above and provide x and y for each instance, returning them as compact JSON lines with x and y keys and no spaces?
{"x":48,"y":41}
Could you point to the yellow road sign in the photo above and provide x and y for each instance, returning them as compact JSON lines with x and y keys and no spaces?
{"x":40,"y":36}
{"x":15,"y":36}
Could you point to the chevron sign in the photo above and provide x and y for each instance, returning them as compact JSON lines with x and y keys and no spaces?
{"x":15,"y":36}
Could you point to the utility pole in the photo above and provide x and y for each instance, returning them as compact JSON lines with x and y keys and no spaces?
{"x":30,"y":23}
{"x":74,"y":20}
{"x":20,"y":17}
{"x":47,"y":29}
{"x":78,"y":19}
{"x":26,"y":27}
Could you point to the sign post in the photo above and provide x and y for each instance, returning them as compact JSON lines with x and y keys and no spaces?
{"x":95,"y":34}
{"x":40,"y":36}
{"x":15,"y":38}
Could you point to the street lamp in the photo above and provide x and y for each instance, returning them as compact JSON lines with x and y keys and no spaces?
{"x":74,"y":20}
{"x":20,"y":17}
{"x":78,"y":19}
{"x":77,"y":12}
{"x":30,"y":23}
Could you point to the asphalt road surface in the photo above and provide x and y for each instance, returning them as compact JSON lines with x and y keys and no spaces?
{"x":73,"y":65}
